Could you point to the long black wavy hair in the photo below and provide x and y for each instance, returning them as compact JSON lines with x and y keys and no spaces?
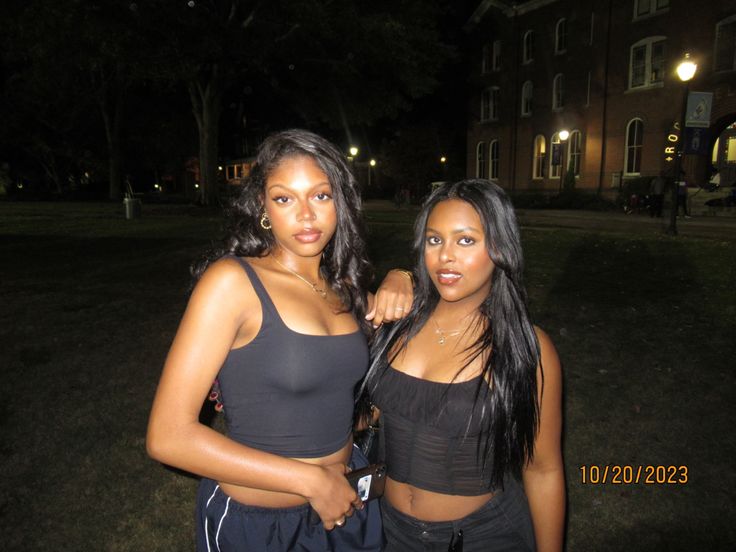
{"x":344,"y":265}
{"x":509,"y":406}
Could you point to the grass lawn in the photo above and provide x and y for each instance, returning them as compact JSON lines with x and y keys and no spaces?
{"x":90,"y":302}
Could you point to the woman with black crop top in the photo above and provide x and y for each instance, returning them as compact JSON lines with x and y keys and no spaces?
{"x":278,"y":316}
{"x":469,"y":391}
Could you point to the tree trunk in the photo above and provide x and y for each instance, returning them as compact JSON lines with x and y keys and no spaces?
{"x":206,"y":107}
{"x":111,"y":114}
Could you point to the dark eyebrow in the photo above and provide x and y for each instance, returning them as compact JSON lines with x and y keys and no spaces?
{"x":458,"y":231}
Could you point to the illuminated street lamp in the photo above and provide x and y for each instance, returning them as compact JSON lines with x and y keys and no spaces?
{"x":353,"y":151}
{"x":685,"y":71}
{"x":564,"y":134}
{"x":371,"y":164}
{"x":443,"y":159}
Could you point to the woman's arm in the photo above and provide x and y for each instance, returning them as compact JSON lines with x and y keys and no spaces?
{"x":393,"y":299}
{"x":544,"y":477}
{"x":215,"y":317}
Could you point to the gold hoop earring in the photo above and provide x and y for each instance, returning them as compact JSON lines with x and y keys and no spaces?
{"x":265,"y":221}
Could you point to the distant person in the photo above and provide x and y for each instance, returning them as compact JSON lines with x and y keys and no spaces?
{"x":656,"y":192}
{"x":468,"y":391}
{"x":279,"y":316}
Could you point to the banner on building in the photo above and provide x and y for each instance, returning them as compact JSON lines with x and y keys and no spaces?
{"x":699,"y":105}
{"x":696,"y":141}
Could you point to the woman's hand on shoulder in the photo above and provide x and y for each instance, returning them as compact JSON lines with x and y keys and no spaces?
{"x":394,"y":298}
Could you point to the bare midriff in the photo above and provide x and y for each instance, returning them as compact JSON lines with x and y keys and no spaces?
{"x":431,"y":506}
{"x":274,"y":499}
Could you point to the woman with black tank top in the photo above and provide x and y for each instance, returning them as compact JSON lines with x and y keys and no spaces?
{"x":469,"y":391}
{"x":279,"y":317}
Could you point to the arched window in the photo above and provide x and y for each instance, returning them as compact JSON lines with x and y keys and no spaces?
{"x":646,"y":66}
{"x":634,"y":136}
{"x":725,"y":54}
{"x":558,"y":92}
{"x":540,"y":149}
{"x":528,"y":47}
{"x":555,"y":160}
{"x":527,"y":91}
{"x":480,"y":160}
{"x":493,"y":149}
{"x":575,"y":149}
{"x":561,"y":36}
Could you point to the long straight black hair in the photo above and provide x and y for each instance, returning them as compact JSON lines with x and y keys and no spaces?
{"x":345,"y":265}
{"x":506,"y":396}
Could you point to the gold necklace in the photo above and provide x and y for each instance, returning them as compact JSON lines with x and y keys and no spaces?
{"x":322,"y":293}
{"x":443,"y":335}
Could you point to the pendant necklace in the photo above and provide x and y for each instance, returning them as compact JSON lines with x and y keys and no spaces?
{"x":443,"y":335}
{"x":322,"y":292}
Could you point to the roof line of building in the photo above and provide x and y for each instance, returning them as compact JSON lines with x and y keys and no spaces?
{"x":508,"y":8}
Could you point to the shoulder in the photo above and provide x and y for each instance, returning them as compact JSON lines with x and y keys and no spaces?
{"x":225,"y":283}
{"x":549,"y":358}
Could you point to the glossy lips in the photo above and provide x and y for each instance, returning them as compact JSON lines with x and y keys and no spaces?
{"x":448,"y":277}
{"x":308,"y":235}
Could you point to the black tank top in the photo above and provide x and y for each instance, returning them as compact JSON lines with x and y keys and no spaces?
{"x":290,"y":393}
{"x":429,"y":439}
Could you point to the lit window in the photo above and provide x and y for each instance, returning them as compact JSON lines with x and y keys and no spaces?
{"x":229,"y":172}
{"x":493,"y":172}
{"x":561,"y":36}
{"x":714,"y":154}
{"x":558,"y":90}
{"x":647,"y":62}
{"x":539,"y":153}
{"x":725,"y":54}
{"x":527,"y":92}
{"x":643,"y":8}
{"x":731,"y":150}
{"x":634,"y":136}
{"x":528,"y":49}
{"x":496,"y":55}
{"x":480,"y":160}
{"x":555,"y":160}
{"x":575,"y":147}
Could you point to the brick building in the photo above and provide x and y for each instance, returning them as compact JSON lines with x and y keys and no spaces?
{"x":605,"y":71}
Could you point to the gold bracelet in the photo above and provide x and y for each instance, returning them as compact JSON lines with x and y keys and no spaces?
{"x":406,"y":273}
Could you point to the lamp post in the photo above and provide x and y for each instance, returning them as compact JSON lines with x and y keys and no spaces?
{"x":685,"y":71}
{"x":564,"y":134}
{"x":371,"y":164}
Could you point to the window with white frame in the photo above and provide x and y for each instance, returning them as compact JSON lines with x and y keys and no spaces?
{"x":528,"y":47}
{"x":555,"y":160}
{"x":646,"y":67}
{"x":643,"y":8}
{"x":575,"y":149}
{"x":558,"y":92}
{"x":561,"y":36}
{"x":725,"y":54}
{"x":540,"y":149}
{"x":634,"y":139}
{"x":527,"y":94}
{"x":489,"y":104}
{"x":496,"y":62}
{"x":480,"y":160}
{"x":493,"y":169}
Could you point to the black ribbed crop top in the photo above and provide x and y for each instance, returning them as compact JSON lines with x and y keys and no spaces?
{"x":290,"y":393}
{"x":428,"y":441}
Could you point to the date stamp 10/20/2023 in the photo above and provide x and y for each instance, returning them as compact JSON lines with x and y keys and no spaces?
{"x":614,"y":474}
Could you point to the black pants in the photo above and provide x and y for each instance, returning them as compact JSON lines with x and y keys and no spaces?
{"x":655,"y":207}
{"x":504,"y":523}
{"x":225,"y":525}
